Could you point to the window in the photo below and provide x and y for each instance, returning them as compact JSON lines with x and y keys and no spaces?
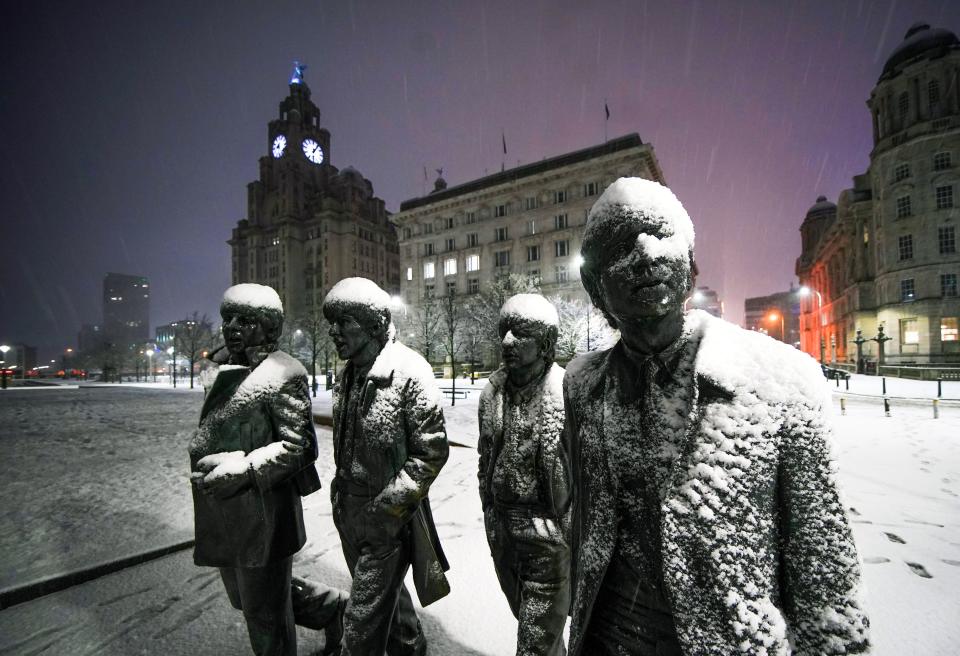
{"x":501,"y":258}
{"x":909,"y":334}
{"x":560,"y":271}
{"x":448,"y":223}
{"x":428,"y":291}
{"x":949,"y":329}
{"x":428,"y":228}
{"x":907,"y":292}
{"x":941,"y":161}
{"x":948,"y":284}
{"x":451,"y":244}
{"x":472,"y":239}
{"x":903,"y":207}
{"x":531,"y":203}
{"x":591,"y":189}
{"x":945,"y":197}
{"x":561,"y":248}
{"x":450,"y":266}
{"x":933,"y":92}
{"x":947,"y":240}
{"x":533,"y":253}
{"x":500,"y":234}
{"x":428,"y":249}
{"x":905,"y":247}
{"x":499,"y":210}
{"x":532,"y":227}
{"x":560,"y":196}
{"x":560,"y":221}
{"x":407,"y":233}
{"x":473,"y":262}
{"x":901,"y":172}
{"x":452,"y":288}
{"x":473,"y":285}
{"x":428,"y":270}
{"x":903,"y":105}
{"x":409,"y":273}
{"x":471,"y":217}
{"x":533,"y":277}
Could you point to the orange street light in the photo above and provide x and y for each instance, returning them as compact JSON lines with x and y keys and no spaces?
{"x":773,"y":316}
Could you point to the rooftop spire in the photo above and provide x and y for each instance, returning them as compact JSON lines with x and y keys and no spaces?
{"x":298,"y":69}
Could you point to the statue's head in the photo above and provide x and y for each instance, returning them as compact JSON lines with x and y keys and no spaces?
{"x":528,"y":331}
{"x":359,"y":313}
{"x":252,"y":317}
{"x":638,"y":252}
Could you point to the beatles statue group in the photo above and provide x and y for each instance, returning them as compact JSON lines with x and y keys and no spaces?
{"x":673,"y":494}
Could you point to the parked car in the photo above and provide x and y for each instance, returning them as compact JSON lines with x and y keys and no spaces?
{"x":834,"y":374}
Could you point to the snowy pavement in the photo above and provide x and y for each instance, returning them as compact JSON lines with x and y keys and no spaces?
{"x":901,"y":476}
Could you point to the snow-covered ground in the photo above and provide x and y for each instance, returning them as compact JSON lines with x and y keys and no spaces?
{"x":91,"y":474}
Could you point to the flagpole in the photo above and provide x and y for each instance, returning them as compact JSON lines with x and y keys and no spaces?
{"x":606,"y":119}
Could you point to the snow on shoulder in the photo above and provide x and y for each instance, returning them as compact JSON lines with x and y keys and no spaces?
{"x":359,"y":291}
{"x":269,"y":376}
{"x":530,"y":307}
{"x":648,"y":202}
{"x":250,"y":294}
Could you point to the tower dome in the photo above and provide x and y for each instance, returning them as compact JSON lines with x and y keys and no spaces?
{"x":821,"y":208}
{"x":921,"y":40}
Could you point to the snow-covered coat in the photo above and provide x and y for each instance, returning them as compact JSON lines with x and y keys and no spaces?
{"x":401,"y":445}
{"x":249,"y":413}
{"x":546,"y":411}
{"x":757,"y":551}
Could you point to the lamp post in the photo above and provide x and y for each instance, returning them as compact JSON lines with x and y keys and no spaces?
{"x":173,"y":365}
{"x":773,"y":316}
{"x":3,"y":366}
{"x":806,"y":291}
{"x":859,"y":340}
{"x":150,"y":364}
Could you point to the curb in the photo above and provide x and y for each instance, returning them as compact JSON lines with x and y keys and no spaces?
{"x":35,"y":589}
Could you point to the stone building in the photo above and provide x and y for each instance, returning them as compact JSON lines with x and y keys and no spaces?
{"x":777,"y":315}
{"x":886,"y":253}
{"x":308,"y":223}
{"x":527,"y":220}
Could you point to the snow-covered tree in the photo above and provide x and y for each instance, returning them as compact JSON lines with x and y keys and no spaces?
{"x":485,"y":307}
{"x":582,"y":328}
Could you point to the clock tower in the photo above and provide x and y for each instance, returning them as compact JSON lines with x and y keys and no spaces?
{"x":308,"y":223}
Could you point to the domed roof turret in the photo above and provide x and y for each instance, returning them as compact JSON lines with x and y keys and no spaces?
{"x":821,"y":208}
{"x":921,"y":40}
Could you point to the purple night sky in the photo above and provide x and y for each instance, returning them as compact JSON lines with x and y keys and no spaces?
{"x":130,"y":130}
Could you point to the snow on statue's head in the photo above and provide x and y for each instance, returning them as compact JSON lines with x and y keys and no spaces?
{"x":637,"y":251}
{"x":535,"y":315}
{"x":260,"y":301}
{"x":363,"y":300}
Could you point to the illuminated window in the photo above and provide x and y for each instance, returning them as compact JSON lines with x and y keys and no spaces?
{"x":409,"y":273}
{"x":907,"y":291}
{"x":901,"y":172}
{"x":903,"y":207}
{"x":948,"y":284}
{"x":941,"y":161}
{"x":949,"y":329}
{"x":947,"y":240}
{"x":450,"y":266}
{"x":945,"y":197}
{"x":473,"y":262}
{"x":428,"y":270}
{"x":909,"y":334}
{"x":533,"y":253}
{"x":905,"y":247}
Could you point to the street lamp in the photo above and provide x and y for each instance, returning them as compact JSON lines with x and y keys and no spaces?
{"x":773,"y":316}
{"x":3,"y":366}
{"x":806,"y":291}
{"x":150,"y":364}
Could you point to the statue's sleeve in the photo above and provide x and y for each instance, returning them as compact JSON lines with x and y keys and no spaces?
{"x":295,"y":440}
{"x":822,"y":593}
{"x":427,"y":451}
{"x":483,"y":446}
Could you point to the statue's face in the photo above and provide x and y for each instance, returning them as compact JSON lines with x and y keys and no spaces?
{"x":242,"y":330}
{"x":521,"y":347}
{"x":636,"y":285}
{"x":348,"y":337}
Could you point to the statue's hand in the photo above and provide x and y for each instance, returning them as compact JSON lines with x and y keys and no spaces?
{"x":208,"y":463}
{"x":227,"y":478}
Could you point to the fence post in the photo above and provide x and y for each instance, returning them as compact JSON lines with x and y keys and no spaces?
{"x":936,"y":409}
{"x":847,"y":383}
{"x":939,"y":386}
{"x":843,"y":405}
{"x":884,"y":384}
{"x":886,"y":407}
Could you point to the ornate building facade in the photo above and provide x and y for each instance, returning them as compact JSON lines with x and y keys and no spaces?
{"x":528,"y":220}
{"x":885,"y":255}
{"x":308,"y":223}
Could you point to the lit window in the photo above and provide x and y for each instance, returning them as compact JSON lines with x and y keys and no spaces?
{"x":903,"y":207}
{"x":409,"y":273}
{"x":941,"y":161}
{"x":907,"y":291}
{"x":947,"y":240}
{"x":450,"y":266}
{"x":909,"y":334}
{"x":905,"y":247}
{"x":901,"y":172}
{"x":945,"y":197}
{"x":948,"y":284}
{"x":533,"y":253}
{"x":428,"y":270}
{"x":501,"y":258}
{"x":473,"y":262}
{"x":561,"y":248}
{"x":949,"y":329}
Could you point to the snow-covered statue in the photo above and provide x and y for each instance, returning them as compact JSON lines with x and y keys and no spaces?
{"x":251,"y":460}
{"x":389,"y":444}
{"x":524,"y":487}
{"x":706,"y":516}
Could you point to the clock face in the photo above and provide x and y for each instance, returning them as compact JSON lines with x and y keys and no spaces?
{"x":313,"y":151}
{"x":279,"y":145}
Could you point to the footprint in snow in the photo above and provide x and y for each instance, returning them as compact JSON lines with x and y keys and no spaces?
{"x":876,"y":560}
{"x":950,"y":492}
{"x":893,"y":537}
{"x":955,"y":563}
{"x":854,"y":511}
{"x":919,"y":570}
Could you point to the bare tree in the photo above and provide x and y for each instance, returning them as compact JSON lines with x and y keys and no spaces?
{"x":315,"y":330}
{"x":423,"y":322}
{"x":192,"y":340}
{"x":583,"y":328}
{"x":452,"y":320}
{"x":485,"y":306}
